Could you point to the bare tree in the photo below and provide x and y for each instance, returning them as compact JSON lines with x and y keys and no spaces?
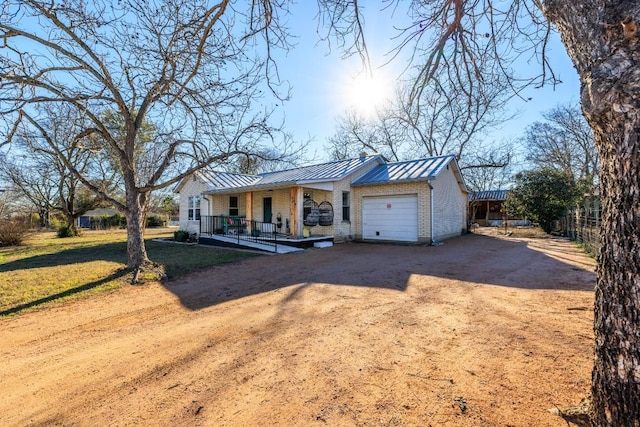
{"x":564,"y":143}
{"x":36,"y":182}
{"x":356,"y":134}
{"x":602,"y":40}
{"x":442,"y":121}
{"x":6,"y":203}
{"x":197,"y":69}
{"x":492,"y":168}
{"x":37,"y":167}
{"x":266,"y":160}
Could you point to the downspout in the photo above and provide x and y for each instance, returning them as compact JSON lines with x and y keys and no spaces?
{"x":433,"y":242}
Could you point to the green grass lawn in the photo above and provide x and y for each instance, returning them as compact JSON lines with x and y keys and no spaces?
{"x":47,"y":268}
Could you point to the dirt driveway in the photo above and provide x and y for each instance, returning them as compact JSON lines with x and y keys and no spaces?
{"x":482,"y":331}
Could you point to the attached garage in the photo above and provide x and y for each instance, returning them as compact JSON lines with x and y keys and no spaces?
{"x":421,"y":201}
{"x":390,"y":218}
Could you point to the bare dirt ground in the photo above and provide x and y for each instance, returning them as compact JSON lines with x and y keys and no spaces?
{"x":483,"y":331}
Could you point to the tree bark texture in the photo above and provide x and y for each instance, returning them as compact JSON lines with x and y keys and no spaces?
{"x":602,"y":39}
{"x":136,"y":249}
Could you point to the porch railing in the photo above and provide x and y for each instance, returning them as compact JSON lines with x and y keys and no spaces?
{"x":240,"y":229}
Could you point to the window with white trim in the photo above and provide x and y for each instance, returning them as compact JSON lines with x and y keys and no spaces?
{"x":194,"y":208}
{"x":346,"y":206}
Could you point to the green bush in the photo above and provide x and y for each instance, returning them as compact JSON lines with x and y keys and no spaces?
{"x":67,"y":230}
{"x":13,"y":232}
{"x":185,"y":236}
{"x":119,"y":220}
{"x":157,"y":221}
{"x":55,"y":222}
{"x":181,"y":235}
{"x":543,"y":195}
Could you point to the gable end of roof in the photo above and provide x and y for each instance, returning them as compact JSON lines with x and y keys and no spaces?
{"x":412,"y":170}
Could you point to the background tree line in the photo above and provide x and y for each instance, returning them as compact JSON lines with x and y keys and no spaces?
{"x":564,"y":168}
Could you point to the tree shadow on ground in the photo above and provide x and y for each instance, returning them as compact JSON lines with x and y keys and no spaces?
{"x":116,"y":252}
{"x":67,"y":293}
{"x":177,"y":259}
{"x":471,"y":258}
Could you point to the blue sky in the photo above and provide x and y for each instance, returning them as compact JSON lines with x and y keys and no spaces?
{"x":321,"y":79}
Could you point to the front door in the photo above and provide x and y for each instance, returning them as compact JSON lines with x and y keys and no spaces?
{"x":267,"y":210}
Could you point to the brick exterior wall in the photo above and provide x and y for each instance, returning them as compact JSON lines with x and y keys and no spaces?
{"x":279,"y":204}
{"x":219,"y":203}
{"x":420,"y":189}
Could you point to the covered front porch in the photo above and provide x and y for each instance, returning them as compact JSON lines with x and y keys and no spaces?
{"x":295,"y":212}
{"x":238,"y":231}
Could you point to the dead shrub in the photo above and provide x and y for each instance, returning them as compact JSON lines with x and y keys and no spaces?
{"x":13,"y":231}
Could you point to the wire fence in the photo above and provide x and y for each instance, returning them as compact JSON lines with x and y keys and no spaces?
{"x":583,"y":224}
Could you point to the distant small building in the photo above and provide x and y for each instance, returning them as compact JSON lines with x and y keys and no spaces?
{"x":88,"y":219}
{"x":485,"y":208}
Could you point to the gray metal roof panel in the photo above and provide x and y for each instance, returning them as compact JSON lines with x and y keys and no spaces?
{"x":331,"y":171}
{"x":227,"y":180}
{"x":413,"y":170}
{"x":488,"y":195}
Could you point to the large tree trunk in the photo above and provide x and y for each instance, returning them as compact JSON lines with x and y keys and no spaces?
{"x":136,"y":250}
{"x":45,"y":217}
{"x":602,"y":40}
{"x":616,"y":374}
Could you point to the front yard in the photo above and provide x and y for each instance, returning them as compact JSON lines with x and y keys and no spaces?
{"x":48,"y":269}
{"x":483,"y":331}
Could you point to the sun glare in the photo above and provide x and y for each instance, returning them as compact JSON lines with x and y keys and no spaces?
{"x":365,"y":94}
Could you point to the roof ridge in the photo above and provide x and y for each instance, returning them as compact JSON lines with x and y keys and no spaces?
{"x":229,"y":173}
{"x":319,"y":164}
{"x":421,"y":159}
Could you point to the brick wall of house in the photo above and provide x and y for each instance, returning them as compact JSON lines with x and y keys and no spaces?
{"x":421,"y":189}
{"x":279,"y":203}
{"x":320,"y":196}
{"x":344,"y":230}
{"x":220,"y":203}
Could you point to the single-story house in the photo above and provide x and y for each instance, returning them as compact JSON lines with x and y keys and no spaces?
{"x":365,"y":198}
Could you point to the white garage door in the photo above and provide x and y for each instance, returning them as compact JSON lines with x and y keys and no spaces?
{"x":390,"y":218}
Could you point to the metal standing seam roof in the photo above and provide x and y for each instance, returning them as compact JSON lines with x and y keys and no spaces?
{"x":412,"y":170}
{"x":488,"y":195}
{"x":322,"y":172}
{"x":331,"y":171}
{"x":220,"y":180}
